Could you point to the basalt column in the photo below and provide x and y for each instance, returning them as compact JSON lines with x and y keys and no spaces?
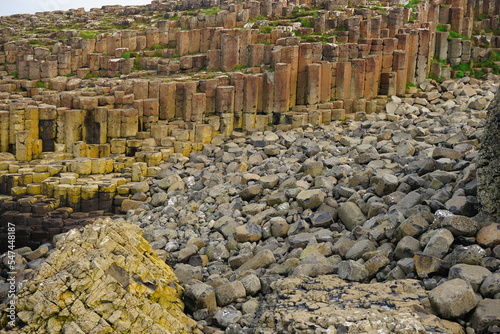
{"x":343,"y":80}
{"x":488,"y":167}
{"x":282,"y":87}
{"x":224,"y":108}
{"x":229,"y":52}
{"x":305,"y":58}
{"x":96,"y":126}
{"x":167,"y":100}
{"x":399,"y":66}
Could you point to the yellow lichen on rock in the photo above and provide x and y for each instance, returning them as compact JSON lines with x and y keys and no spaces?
{"x":104,"y":278}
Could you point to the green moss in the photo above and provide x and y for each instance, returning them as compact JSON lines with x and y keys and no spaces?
{"x":211,"y":11}
{"x":412,"y":3}
{"x":92,"y":75}
{"x":128,"y":55}
{"x":88,"y":34}
{"x":440,"y":79}
{"x":156,"y":47}
{"x":301,"y":12}
{"x":465,"y":67}
{"x":481,"y":17}
{"x":441,"y":61}
{"x":137,"y":65}
{"x":39,"y":84}
{"x":441,"y":28}
{"x":239,"y":68}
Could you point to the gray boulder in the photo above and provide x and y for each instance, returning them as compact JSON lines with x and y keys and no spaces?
{"x":453,"y":298}
{"x":488,"y":165}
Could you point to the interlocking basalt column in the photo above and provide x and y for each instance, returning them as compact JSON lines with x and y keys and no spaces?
{"x":114,"y":123}
{"x":209,"y":88}
{"x":313,"y":83}
{"x":73,"y":121}
{"x":47,"y":126}
{"x":326,"y":81}
{"x":255,"y":54}
{"x":388,"y":83}
{"x":423,"y":60}
{"x":141,"y":89}
{"x":4,"y":131}
{"x":399,"y":66}
{"x":441,"y":45}
{"x":24,"y":145}
{"x":412,"y":57}
{"x":357,"y":78}
{"x":457,"y":19}
{"x":343,"y":80}
{"x":229,"y":52}
{"x":16,"y":120}
{"x":183,"y":42}
{"x":373,"y":67}
{"x":251,"y":95}
{"x":290,"y":55}
{"x":128,"y":122}
{"x":224,"y":107}
{"x":238,"y":81}
{"x":167,"y":100}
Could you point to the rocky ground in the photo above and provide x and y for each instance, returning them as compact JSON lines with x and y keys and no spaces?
{"x":280,"y":231}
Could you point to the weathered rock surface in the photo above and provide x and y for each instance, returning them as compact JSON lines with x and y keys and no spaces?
{"x":329,"y":304}
{"x":105,"y":278}
{"x":453,"y":298}
{"x":488,"y":165}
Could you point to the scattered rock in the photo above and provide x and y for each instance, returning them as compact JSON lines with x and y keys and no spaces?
{"x":486,"y":316}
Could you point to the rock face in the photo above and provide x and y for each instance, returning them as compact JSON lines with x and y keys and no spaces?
{"x":488,"y":172}
{"x":453,"y":298}
{"x":104,"y":278}
{"x":327,"y":304}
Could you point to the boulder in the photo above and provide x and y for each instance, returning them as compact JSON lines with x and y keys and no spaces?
{"x":351,"y":215}
{"x":486,"y":315}
{"x":460,"y":225}
{"x":489,"y":236}
{"x":490,"y":286}
{"x":453,"y":299}
{"x":310,"y":199}
{"x":352,"y":271}
{"x":475,"y":275}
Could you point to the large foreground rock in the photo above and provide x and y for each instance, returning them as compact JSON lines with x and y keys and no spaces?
{"x":488,"y":167}
{"x":327,"y":304}
{"x":104,"y":278}
{"x":453,"y":298}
